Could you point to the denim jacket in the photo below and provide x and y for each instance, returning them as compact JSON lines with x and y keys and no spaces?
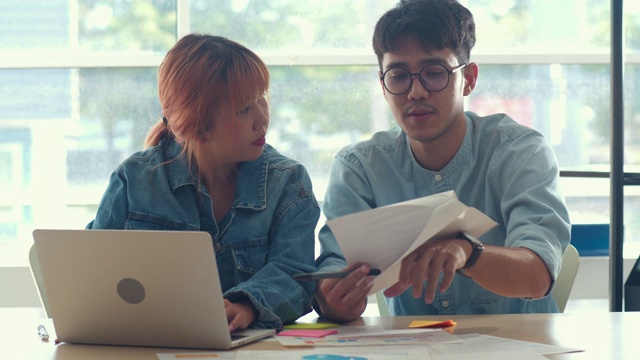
{"x":267,"y":236}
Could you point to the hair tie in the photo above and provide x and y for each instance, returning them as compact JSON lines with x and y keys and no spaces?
{"x":164,"y":120}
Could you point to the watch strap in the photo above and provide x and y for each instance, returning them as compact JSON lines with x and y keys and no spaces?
{"x":476,"y":249}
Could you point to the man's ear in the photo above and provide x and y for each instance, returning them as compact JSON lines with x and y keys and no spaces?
{"x":384,"y":91}
{"x":470,"y":77}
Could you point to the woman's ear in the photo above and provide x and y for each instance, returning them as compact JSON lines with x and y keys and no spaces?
{"x":204,"y":137}
{"x":470,"y":77}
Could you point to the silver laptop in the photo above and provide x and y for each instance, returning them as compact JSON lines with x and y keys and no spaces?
{"x":141,"y":288}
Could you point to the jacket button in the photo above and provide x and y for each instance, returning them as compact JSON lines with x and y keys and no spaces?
{"x":216,"y":247}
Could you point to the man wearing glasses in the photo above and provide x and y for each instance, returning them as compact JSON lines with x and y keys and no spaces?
{"x":505,"y":170}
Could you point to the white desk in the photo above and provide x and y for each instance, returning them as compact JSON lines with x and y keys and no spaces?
{"x":603,"y":335}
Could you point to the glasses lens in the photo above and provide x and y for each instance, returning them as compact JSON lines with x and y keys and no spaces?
{"x":434,"y":77}
{"x":397,"y":80}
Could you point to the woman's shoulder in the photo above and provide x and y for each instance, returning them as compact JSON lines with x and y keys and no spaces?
{"x":284,"y":167}
{"x":277,"y":159}
{"x":279,"y":175}
{"x":166,"y":149}
{"x":151,"y":157}
{"x":147,"y":157}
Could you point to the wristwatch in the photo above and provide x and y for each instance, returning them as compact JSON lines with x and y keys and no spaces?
{"x":476,"y":246}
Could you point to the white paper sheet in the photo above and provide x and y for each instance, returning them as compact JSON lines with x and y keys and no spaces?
{"x":480,"y":343}
{"x":475,"y":346}
{"x":384,"y":236}
{"x":366,"y":353}
{"x":371,"y":337}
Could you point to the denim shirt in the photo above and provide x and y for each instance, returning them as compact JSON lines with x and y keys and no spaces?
{"x":504,"y":169}
{"x":267,"y":236}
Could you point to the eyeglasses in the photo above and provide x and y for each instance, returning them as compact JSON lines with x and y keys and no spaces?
{"x":434,"y":77}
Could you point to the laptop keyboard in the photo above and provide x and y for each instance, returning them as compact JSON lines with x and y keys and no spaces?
{"x":237,"y":337}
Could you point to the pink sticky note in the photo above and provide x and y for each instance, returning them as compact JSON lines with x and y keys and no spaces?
{"x":310,"y":333}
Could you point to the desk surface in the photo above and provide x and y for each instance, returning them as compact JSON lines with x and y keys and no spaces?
{"x":603,"y":335}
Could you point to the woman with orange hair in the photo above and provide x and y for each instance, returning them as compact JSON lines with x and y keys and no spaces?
{"x":206,"y":167}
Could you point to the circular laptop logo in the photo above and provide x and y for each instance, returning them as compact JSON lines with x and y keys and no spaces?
{"x":131,"y":290}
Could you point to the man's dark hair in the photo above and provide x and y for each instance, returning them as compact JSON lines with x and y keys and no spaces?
{"x":435,"y":24}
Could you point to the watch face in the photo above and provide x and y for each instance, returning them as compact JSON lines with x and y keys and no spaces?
{"x":477,"y":243}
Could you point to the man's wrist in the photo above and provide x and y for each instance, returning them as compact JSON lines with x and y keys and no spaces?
{"x":476,"y":249}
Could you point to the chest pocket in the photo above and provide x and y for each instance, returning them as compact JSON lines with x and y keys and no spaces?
{"x":137,"y":221}
{"x":249,"y":256}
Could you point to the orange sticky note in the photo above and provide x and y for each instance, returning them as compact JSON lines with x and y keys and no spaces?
{"x":431,"y":323}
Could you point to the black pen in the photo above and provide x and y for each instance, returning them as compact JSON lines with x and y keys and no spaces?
{"x":42,"y":333}
{"x":329,"y":275}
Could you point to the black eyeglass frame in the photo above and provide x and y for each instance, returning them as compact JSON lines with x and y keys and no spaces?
{"x":422,"y":81}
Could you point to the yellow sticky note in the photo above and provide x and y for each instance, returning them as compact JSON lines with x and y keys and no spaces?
{"x":431,"y":323}
{"x":311,"y":326}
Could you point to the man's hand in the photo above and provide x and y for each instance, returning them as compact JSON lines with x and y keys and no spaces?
{"x":345,"y":299}
{"x":239,"y":315}
{"x":426,"y":263}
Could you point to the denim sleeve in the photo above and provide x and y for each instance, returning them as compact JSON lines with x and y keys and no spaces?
{"x":277,"y":297}
{"x":112,"y":210}
{"x":532,"y":205}
{"x":348,"y":192}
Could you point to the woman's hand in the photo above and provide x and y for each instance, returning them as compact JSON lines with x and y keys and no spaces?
{"x":239,"y":315}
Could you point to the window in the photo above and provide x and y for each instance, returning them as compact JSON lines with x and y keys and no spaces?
{"x":80,"y":91}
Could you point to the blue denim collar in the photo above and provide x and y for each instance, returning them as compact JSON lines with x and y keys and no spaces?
{"x":250,"y":184}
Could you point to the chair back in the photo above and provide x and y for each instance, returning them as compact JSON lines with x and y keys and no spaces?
{"x":37,"y":279}
{"x":566,"y":277}
{"x":383,"y":308}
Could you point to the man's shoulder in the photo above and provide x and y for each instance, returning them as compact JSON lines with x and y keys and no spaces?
{"x":499,"y":123}
{"x":388,"y":140}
